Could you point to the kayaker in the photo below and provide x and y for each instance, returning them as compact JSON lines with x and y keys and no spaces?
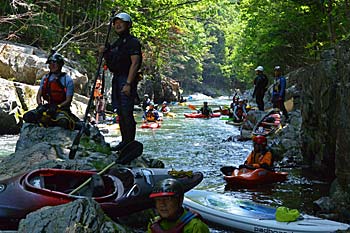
{"x":260,"y":155}
{"x":168,"y":196}
{"x":151,"y":114}
{"x":261,"y":81}
{"x":205,"y":110}
{"x":279,"y":91}
{"x":165,"y":108}
{"x":145,"y":102}
{"x":239,"y":111}
{"x":124,"y":59}
{"x":54,"y":97}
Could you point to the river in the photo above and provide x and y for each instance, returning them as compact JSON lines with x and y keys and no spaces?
{"x":197,"y":144}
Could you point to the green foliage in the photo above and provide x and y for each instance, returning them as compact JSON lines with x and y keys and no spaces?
{"x":199,"y":43}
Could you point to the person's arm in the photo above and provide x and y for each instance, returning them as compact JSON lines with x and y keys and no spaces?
{"x":135,"y":65}
{"x":39,"y":99}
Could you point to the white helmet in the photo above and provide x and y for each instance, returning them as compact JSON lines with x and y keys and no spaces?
{"x":123,"y":16}
{"x":259,"y":68}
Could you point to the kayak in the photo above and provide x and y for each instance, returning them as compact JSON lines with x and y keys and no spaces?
{"x":200,"y":115}
{"x":269,"y":124}
{"x":231,"y":122}
{"x":247,"y":216}
{"x":121,"y":191}
{"x":250,"y":178}
{"x":151,"y":125}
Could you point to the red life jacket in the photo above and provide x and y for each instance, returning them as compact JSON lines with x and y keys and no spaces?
{"x":53,"y":91}
{"x":156,"y":228}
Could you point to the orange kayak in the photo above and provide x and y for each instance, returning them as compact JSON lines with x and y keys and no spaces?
{"x":246,"y":178}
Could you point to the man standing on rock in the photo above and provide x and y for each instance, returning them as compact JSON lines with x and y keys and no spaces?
{"x":261,"y":81}
{"x":279,"y":91}
{"x":123,"y":59}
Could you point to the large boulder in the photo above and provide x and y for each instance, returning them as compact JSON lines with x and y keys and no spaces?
{"x":26,"y":64}
{"x":82,"y":215}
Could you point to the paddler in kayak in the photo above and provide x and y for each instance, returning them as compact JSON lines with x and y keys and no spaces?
{"x":259,"y":157}
{"x":168,"y":195}
{"x":205,"y":110}
{"x":239,"y":111}
{"x":165,"y":108}
{"x":151,"y":114}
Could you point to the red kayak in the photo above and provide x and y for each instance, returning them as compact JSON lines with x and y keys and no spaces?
{"x":248,"y":178}
{"x":200,"y":115}
{"x":269,"y":124}
{"x":120,"y":192}
{"x":150,"y":125}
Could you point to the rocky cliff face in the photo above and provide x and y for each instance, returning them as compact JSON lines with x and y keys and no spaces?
{"x":325,"y":111}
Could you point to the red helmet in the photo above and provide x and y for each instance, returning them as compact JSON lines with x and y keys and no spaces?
{"x":261,"y":140}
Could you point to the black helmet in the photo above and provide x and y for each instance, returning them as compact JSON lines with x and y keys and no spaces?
{"x":167,"y":187}
{"x":55,"y":57}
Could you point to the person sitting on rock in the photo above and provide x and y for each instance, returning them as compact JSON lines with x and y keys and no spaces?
{"x":54,"y":97}
{"x":151,"y":114}
{"x":168,"y":196}
{"x":205,"y":110}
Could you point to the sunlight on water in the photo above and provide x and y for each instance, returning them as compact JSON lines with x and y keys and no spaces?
{"x":7,"y":144}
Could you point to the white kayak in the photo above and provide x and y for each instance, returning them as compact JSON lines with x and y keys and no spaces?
{"x":248,"y":216}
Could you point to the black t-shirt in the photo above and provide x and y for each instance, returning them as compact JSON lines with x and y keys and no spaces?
{"x":118,"y":58}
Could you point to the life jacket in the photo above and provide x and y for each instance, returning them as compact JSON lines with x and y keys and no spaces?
{"x":97,"y":92}
{"x":150,"y":116}
{"x":239,"y":111}
{"x":156,"y":228}
{"x":54,"y":92}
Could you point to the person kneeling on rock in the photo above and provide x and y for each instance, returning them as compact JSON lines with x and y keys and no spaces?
{"x":54,"y":97}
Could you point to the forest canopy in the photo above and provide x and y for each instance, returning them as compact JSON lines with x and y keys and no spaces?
{"x":200,"y":43}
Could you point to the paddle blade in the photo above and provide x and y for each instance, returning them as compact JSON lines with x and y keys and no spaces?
{"x":130,"y":152}
{"x":190,"y":106}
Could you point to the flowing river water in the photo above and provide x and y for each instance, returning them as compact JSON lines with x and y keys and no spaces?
{"x":197,"y":144}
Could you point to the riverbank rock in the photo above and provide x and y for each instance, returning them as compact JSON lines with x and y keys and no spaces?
{"x":82,"y":215}
{"x":39,"y":147}
{"x":326,"y":126}
{"x":26,"y":64}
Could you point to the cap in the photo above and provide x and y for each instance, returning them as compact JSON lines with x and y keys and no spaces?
{"x":165,"y":103}
{"x":123,"y":16}
{"x":167,"y":187}
{"x":277,"y":68}
{"x":259,"y":68}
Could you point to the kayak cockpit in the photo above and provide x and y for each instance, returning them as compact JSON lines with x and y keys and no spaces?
{"x":59,"y":183}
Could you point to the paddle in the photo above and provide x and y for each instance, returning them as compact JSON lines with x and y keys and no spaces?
{"x":76,"y":141}
{"x":192,"y":107}
{"x":227,"y":170}
{"x":130,"y":152}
